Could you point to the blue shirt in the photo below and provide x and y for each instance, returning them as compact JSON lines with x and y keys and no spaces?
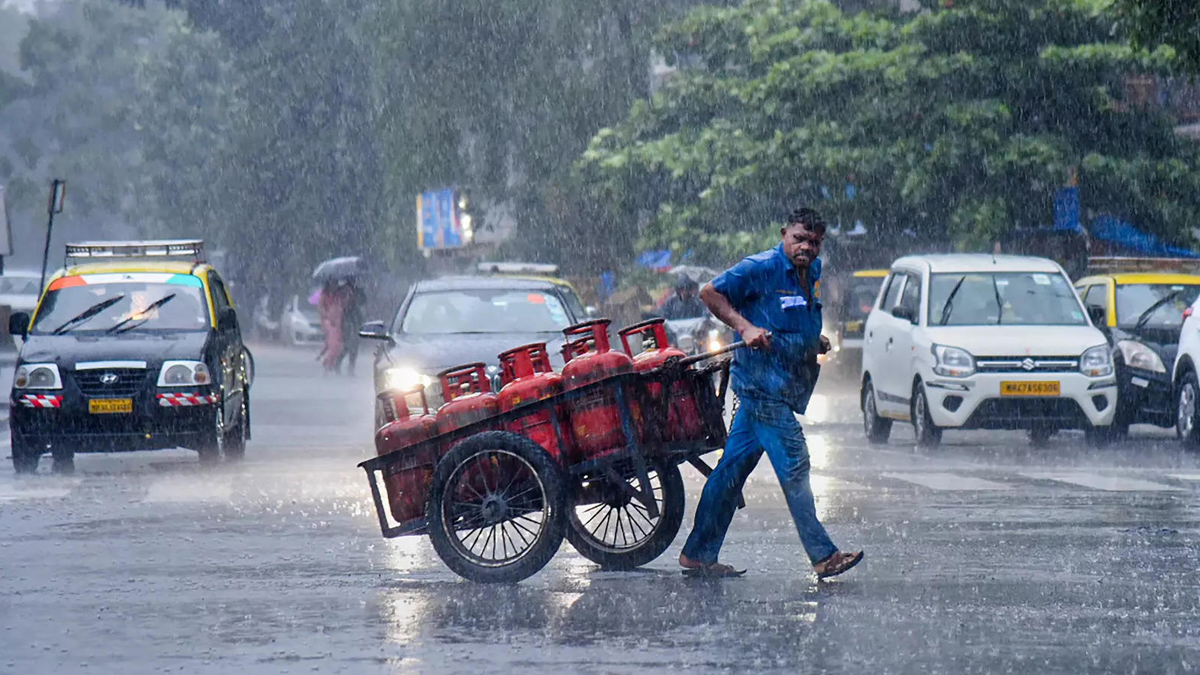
{"x":765,"y":288}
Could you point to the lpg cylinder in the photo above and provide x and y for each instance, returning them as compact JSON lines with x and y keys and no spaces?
{"x":406,"y":481}
{"x":529,"y":377}
{"x":683,"y":414}
{"x":595,"y":418}
{"x":469,"y":397}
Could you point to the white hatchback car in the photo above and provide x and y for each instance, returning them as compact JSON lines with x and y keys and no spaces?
{"x":976,"y":341}
{"x":1185,"y":377}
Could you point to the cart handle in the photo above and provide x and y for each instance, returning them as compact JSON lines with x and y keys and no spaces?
{"x":687,"y":361}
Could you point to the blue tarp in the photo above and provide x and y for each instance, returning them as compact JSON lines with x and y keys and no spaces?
{"x":1113,"y":230}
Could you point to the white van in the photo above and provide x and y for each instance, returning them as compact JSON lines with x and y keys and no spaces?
{"x":978,"y":341}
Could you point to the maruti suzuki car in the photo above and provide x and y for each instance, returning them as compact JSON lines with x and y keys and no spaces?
{"x":133,"y":346}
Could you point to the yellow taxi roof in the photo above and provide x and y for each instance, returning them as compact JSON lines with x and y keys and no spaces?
{"x":1151,"y":278}
{"x":134,"y":266}
{"x":870,"y":274}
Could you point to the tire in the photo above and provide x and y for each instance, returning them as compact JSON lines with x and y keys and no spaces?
{"x":1187,"y":411}
{"x":211,"y":447}
{"x":465,"y":490}
{"x":233,"y":445}
{"x":1098,"y":437}
{"x":25,"y":456}
{"x":1039,"y":436}
{"x":624,"y":545}
{"x":64,"y":461}
{"x":928,"y":434}
{"x":877,"y":428}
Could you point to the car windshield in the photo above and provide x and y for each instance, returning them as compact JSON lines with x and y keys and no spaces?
{"x":1159,"y":305}
{"x":860,"y":297}
{"x":485,"y":311}
{"x":1003,"y":298}
{"x":90,"y":308}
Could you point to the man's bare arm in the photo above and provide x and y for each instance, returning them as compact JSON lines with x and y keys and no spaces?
{"x":721,"y":308}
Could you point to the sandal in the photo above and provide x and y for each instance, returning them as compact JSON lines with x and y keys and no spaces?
{"x":713,"y":571}
{"x":837,"y":563}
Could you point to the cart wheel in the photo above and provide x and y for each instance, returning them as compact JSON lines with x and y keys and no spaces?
{"x":496,"y":508}
{"x":614,"y":530}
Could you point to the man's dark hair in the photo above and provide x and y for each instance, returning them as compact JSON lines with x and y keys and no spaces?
{"x":808,"y":218}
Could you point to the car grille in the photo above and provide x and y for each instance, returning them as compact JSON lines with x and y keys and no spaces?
{"x":1026,"y":364}
{"x":129,"y":381}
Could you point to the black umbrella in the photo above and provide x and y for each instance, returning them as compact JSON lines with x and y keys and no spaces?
{"x":336,"y":269}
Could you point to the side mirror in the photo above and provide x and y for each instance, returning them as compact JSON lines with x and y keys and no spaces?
{"x":905,"y":313}
{"x":1098,"y":316}
{"x":374,"y":330}
{"x":227,"y":319}
{"x":18,"y":324}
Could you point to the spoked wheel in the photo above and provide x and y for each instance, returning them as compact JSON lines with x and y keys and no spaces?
{"x":496,"y":508}
{"x":614,"y":530}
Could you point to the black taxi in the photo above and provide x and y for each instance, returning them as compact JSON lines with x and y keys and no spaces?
{"x":133,"y":346}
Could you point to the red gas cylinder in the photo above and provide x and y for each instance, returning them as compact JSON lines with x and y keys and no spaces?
{"x":529,"y":377}
{"x":595,"y":418}
{"x":683,"y":414}
{"x":469,"y":397}
{"x":407,"y":481}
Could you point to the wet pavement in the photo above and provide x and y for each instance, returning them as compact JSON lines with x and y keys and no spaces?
{"x":983,"y":556}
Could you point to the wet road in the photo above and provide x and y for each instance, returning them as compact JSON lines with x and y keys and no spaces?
{"x":983,"y":556}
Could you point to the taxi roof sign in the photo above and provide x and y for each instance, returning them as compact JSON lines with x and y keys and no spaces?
{"x":1115,"y":265}
{"x":517,"y":268}
{"x":94,"y":251}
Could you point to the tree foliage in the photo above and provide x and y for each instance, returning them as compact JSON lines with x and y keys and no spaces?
{"x":1152,"y":23}
{"x":960,"y":122}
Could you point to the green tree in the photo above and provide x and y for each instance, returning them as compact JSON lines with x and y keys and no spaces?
{"x":958,"y":123}
{"x":1152,"y":23}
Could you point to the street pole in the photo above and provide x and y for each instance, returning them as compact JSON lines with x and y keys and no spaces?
{"x":58,"y":190}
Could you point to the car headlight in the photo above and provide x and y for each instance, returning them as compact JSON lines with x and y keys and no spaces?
{"x":184,"y":374}
{"x":1138,"y":355}
{"x":953,"y":362}
{"x":405,"y":377}
{"x":714,"y":340}
{"x":1096,"y":362}
{"x":37,"y":376}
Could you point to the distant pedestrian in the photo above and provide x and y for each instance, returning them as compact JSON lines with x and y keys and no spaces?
{"x":773,"y":300}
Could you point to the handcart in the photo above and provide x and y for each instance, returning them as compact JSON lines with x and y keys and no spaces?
{"x":499,"y":504}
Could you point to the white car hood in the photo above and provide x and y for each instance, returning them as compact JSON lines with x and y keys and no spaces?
{"x":1018,"y":340}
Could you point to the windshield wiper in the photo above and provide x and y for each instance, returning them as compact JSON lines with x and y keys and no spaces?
{"x":949,"y":306}
{"x":87,"y":314}
{"x":999,"y":302}
{"x":1145,"y":316}
{"x":117,"y":328}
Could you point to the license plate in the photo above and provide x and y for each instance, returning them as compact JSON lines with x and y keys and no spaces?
{"x":1029,"y":389}
{"x":106,"y":406}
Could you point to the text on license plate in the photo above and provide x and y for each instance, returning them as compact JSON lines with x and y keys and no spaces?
{"x":102,"y":406}
{"x":1029,"y":389}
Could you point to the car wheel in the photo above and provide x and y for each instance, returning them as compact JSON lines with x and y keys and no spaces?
{"x":877,"y":428}
{"x":1098,"y":437}
{"x":1040,"y":435}
{"x":928,"y":434}
{"x":1187,"y":407}
{"x":25,"y":456}
{"x":64,"y":461}
{"x":234,"y":443}
{"x":211,"y":447}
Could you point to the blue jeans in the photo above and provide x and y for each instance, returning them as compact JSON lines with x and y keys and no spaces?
{"x":758,"y":426}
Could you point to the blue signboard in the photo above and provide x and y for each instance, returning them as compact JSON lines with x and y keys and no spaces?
{"x":438,"y":224}
{"x":1066,"y":209}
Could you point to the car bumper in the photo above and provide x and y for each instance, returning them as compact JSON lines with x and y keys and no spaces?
{"x":976,"y":402}
{"x":1146,"y":397}
{"x":173,"y":419}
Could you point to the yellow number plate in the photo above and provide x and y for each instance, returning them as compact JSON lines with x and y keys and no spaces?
{"x":1029,"y":389}
{"x":104,"y":406}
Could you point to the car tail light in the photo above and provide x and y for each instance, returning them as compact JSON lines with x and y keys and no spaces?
{"x":1186,"y":313}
